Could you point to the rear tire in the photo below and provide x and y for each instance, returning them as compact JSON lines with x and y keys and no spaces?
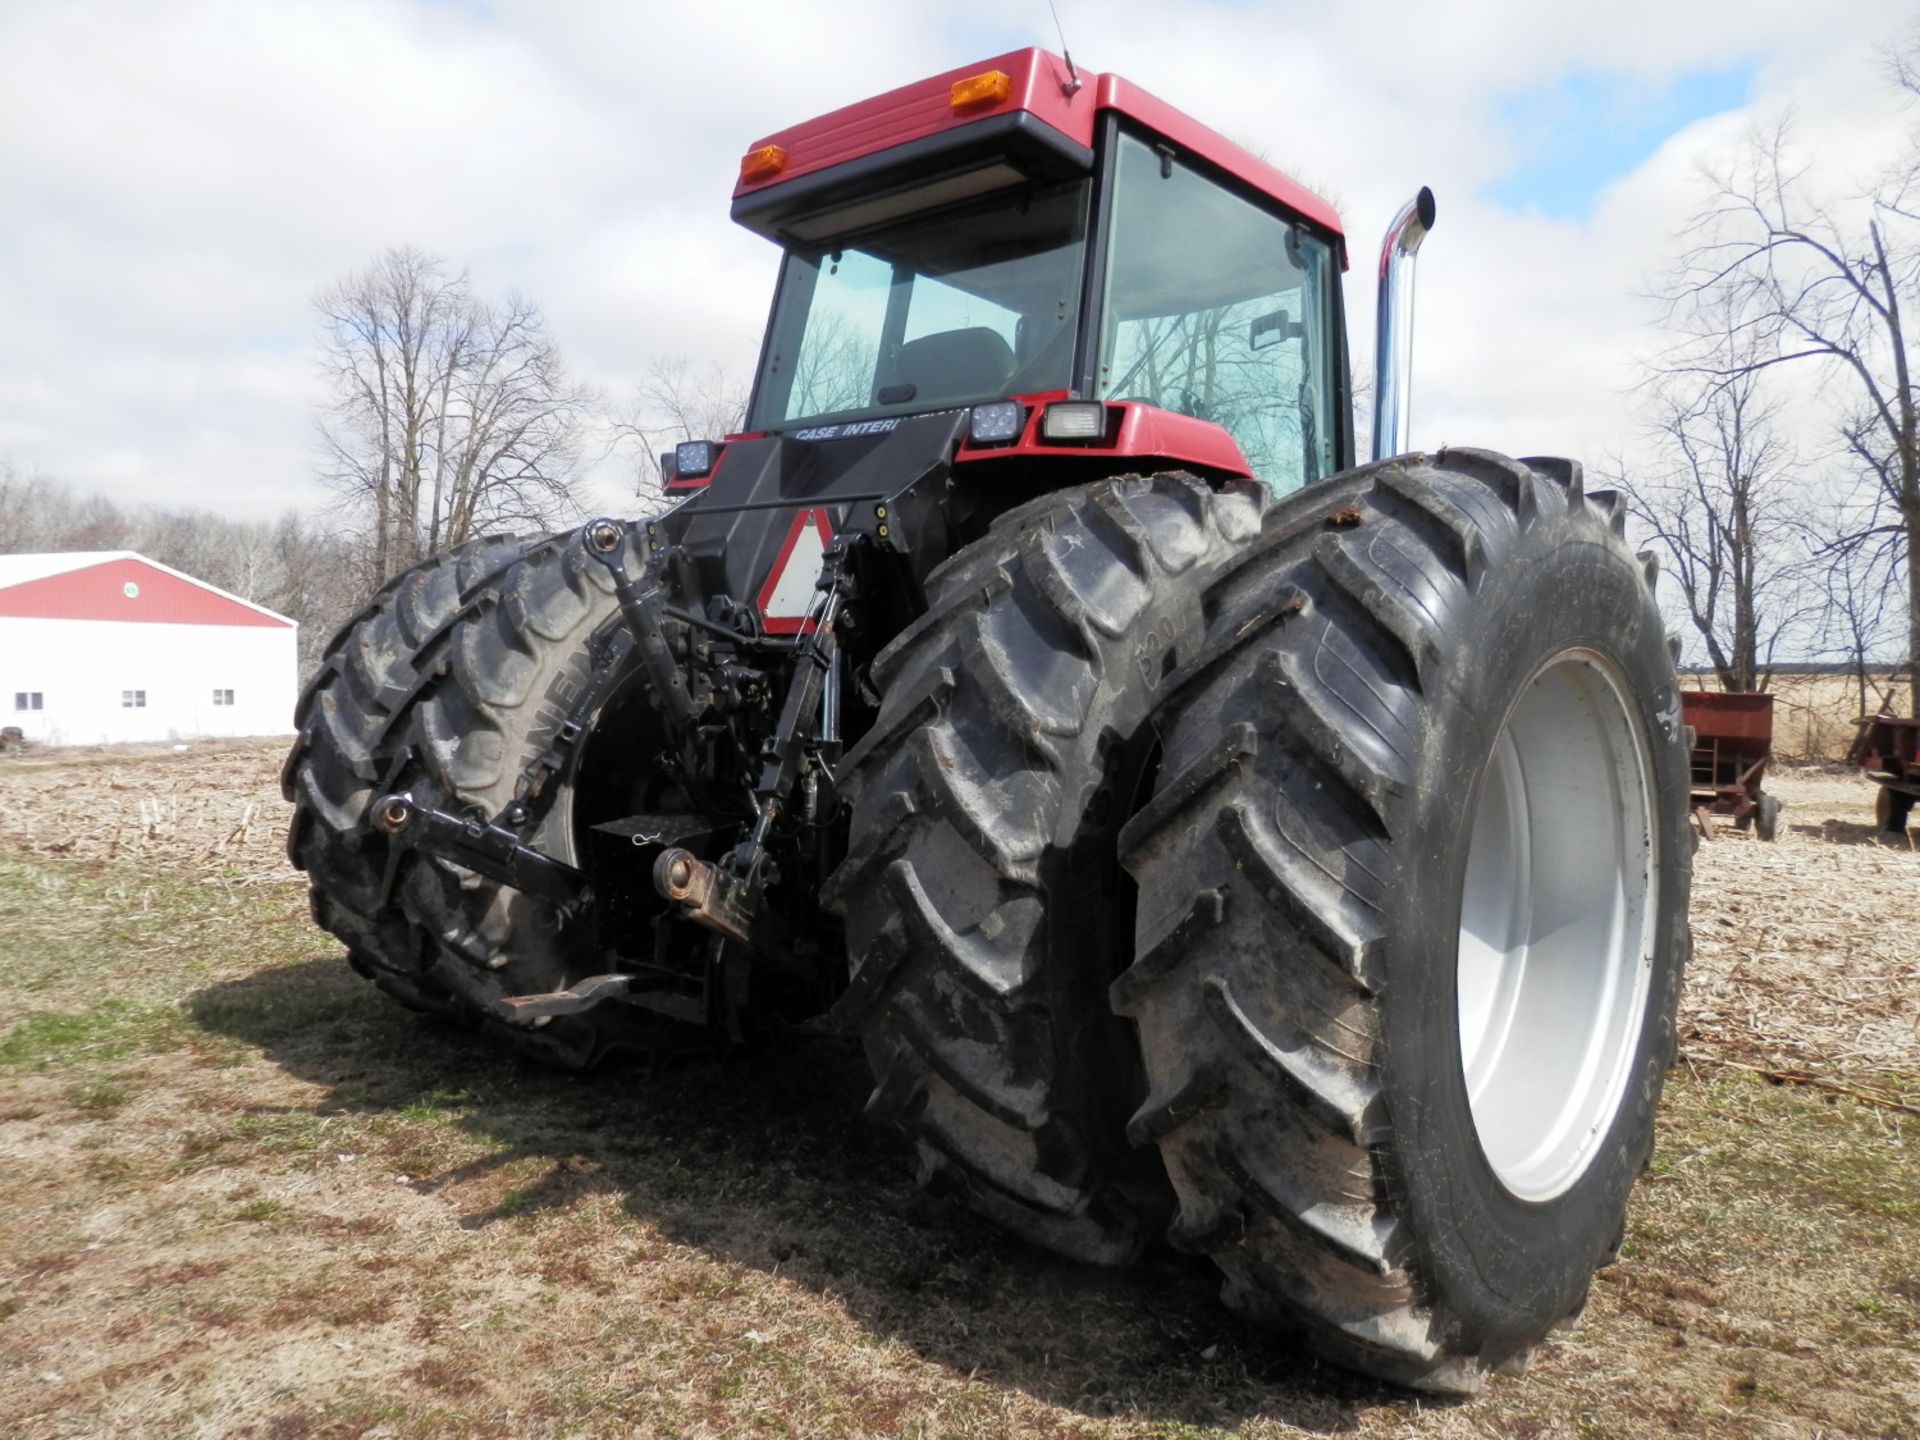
{"x":1438,"y":729}
{"x":455,"y":677}
{"x":1766,"y":817}
{"x":986,"y":912}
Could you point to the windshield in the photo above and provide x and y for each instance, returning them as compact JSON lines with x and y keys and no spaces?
{"x":942,"y":309}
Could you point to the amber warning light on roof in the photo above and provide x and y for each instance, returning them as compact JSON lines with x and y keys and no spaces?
{"x":976,"y":92}
{"x":759,"y":164}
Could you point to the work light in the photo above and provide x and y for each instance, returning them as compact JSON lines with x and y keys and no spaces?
{"x":1074,"y":420}
{"x":995,"y":423}
{"x":692,"y":459}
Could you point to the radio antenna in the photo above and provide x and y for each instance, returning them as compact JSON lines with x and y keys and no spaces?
{"x":1073,"y":76}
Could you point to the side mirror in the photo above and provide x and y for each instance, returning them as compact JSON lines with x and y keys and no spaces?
{"x":1273,"y":328}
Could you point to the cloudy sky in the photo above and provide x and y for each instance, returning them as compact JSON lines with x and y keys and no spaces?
{"x":177,"y":180}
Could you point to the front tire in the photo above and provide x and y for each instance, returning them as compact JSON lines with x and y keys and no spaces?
{"x":1413,"y":914}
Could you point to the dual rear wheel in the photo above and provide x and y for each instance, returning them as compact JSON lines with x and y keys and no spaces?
{"x":1395,"y":992}
{"x":451,"y":685}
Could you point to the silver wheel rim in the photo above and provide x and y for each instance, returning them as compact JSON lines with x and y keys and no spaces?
{"x":1556,"y":926}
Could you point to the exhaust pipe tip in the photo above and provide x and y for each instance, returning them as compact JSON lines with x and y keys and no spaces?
{"x":1393,"y":332}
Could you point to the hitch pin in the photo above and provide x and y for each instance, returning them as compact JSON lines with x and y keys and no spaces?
{"x":394,"y":813}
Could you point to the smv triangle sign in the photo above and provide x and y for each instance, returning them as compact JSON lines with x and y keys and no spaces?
{"x":789,"y":591}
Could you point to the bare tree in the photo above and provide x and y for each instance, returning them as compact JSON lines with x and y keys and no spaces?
{"x":1824,"y":284}
{"x":311,"y":575}
{"x":23,"y":498}
{"x":1716,"y":492}
{"x":446,"y":414}
{"x":37,"y":513}
{"x":1861,"y":597}
{"x":676,"y":401}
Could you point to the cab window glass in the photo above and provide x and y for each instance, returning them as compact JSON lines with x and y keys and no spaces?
{"x":1220,"y":310}
{"x":967,"y":303}
{"x":937,"y":306}
{"x":835,"y":366}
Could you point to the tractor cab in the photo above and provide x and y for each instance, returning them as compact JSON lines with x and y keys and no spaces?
{"x":1094,"y":276}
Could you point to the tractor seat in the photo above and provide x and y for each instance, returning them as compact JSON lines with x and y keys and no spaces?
{"x":950,"y":365}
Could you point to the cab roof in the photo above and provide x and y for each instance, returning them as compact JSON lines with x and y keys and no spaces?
{"x":1039,"y":96}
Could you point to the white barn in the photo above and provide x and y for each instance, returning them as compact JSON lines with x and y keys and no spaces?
{"x":104,"y":646}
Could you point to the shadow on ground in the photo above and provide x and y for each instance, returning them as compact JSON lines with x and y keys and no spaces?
{"x":1849,"y":832}
{"x":765,"y":1160}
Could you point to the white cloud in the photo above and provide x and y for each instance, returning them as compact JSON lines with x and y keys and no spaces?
{"x":178,"y":180}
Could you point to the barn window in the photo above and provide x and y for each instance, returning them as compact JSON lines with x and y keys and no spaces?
{"x":223,"y":697}
{"x":28,"y":699}
{"x":133,"y":699}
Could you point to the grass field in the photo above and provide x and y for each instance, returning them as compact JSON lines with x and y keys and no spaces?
{"x":242,"y":1195}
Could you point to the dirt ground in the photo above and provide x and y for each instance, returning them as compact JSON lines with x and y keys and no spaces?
{"x":244,"y":1196}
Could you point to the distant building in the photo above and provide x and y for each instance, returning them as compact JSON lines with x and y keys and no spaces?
{"x":106,"y":645}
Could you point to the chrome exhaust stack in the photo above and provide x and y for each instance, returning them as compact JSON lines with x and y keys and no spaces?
{"x":1393,"y":331}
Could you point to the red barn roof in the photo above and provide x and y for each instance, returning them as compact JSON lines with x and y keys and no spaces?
{"x":119,"y":585}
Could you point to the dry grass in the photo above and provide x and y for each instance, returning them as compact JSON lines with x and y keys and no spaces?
{"x":243,"y":1196}
{"x":213,"y":803}
{"x":1807,"y":951}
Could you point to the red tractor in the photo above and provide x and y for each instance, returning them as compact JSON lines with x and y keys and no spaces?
{"x":1208,"y":836}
